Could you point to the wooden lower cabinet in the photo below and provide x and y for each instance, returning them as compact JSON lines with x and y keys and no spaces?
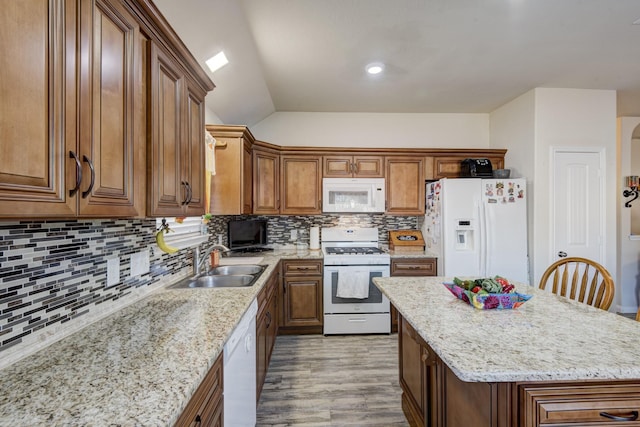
{"x":410,"y":267}
{"x":559,"y":405}
{"x":420,"y":378}
{"x":432,"y":395}
{"x":266,"y":328}
{"x":301,"y":297}
{"x":206,"y":406}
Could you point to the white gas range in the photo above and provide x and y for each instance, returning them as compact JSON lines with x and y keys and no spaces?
{"x":352,"y":303}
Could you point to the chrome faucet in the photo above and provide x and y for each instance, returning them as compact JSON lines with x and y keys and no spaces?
{"x":199,"y":261}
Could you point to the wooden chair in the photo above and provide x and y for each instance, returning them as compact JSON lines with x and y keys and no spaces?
{"x":638,"y":315}
{"x":582,"y":280}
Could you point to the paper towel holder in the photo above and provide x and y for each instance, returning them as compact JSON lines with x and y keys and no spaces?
{"x":314,"y":238}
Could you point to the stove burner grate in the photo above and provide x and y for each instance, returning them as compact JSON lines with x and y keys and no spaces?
{"x":352,"y":250}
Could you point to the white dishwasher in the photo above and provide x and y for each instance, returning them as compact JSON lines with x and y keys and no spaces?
{"x":239,"y":375}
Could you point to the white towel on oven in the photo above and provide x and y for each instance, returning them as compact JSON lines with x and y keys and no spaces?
{"x":352,"y":284}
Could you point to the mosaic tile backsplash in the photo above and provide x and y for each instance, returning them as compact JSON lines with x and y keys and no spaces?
{"x":53,"y":274}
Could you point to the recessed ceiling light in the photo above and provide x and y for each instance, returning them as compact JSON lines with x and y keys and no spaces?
{"x":375,"y":68}
{"x":217,"y":61}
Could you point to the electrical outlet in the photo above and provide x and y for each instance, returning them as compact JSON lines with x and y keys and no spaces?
{"x":139,"y":263}
{"x":113,"y":271}
{"x":294,"y":234}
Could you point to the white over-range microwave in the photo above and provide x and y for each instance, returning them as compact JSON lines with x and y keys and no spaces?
{"x":356,"y":195}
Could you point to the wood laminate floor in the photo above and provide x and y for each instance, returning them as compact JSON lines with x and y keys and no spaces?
{"x":315,"y":380}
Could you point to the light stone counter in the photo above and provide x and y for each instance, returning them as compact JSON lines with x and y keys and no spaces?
{"x":547,"y":338}
{"x":138,"y":367}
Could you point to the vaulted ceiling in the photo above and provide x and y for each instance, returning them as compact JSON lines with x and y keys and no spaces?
{"x":440,"y":56}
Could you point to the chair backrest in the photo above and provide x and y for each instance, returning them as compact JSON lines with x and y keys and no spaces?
{"x":582,"y":280}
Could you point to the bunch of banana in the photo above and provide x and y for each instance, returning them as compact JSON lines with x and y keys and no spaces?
{"x":161,"y":243}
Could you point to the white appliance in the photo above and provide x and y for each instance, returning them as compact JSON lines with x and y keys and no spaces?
{"x":478,"y":227}
{"x":240,"y":372}
{"x":352,"y":303}
{"x":353,"y":195}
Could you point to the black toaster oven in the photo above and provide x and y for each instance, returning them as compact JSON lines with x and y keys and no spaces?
{"x":476,"y":168}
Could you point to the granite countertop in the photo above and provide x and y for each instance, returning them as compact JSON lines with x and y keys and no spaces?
{"x":139,"y":366}
{"x":547,"y":338}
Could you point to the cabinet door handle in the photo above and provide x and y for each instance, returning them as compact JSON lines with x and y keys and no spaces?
{"x":93,"y":176}
{"x":186,"y":193}
{"x":189,"y":192}
{"x":268,"y":319}
{"x":75,"y":189}
{"x":198,"y":420}
{"x":355,"y":167}
{"x":632,"y":417}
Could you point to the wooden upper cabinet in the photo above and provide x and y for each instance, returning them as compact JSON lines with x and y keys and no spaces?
{"x":231,"y":186}
{"x":75,"y":78}
{"x":301,"y":184}
{"x":194,"y":150}
{"x":266,"y":184}
{"x":361,"y":166}
{"x":405,"y":185}
{"x":37,"y":108}
{"x":176,"y":148}
{"x":72,"y":120}
{"x":112,"y":113}
{"x":450,"y":166}
{"x":167,"y":191}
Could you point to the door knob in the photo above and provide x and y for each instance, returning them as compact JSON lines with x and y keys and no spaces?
{"x":562,"y":254}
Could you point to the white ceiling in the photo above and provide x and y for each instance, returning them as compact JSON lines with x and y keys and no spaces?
{"x":441,"y":56}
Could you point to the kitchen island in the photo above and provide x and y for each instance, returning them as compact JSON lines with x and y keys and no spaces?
{"x":137,"y":367}
{"x":549,"y":362}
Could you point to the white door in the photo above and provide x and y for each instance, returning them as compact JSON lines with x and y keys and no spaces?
{"x":578,"y":216}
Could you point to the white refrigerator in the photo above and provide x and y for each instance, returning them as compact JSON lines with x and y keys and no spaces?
{"x":478,"y":227}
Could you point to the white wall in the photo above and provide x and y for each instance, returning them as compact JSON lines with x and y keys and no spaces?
{"x":210,"y":117}
{"x":530,"y":127}
{"x":512,"y":126}
{"x":574,"y":118}
{"x":628,"y":284}
{"x":375,"y":130}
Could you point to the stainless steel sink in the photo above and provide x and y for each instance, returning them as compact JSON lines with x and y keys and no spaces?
{"x":227,"y":276}
{"x":236,"y":269}
{"x":229,"y":281}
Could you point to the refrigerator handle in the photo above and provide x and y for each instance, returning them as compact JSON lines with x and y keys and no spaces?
{"x":482,"y":216}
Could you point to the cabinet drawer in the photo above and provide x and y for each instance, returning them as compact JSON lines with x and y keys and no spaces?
{"x":584,"y":405}
{"x":413,"y":267}
{"x":292,"y":268}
